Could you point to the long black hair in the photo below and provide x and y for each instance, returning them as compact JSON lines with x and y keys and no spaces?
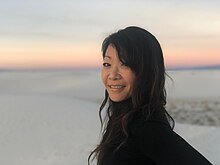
{"x":140,"y":51}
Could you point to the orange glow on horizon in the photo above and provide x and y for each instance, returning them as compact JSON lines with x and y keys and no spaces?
{"x":185,"y":57}
{"x":50,"y":56}
{"x":89,"y":55}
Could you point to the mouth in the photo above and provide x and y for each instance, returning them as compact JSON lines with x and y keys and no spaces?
{"x":116,"y":86}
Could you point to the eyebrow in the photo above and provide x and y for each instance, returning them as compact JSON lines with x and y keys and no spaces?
{"x":107,"y":57}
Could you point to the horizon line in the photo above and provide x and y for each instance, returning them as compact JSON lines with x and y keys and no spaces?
{"x":214,"y":66}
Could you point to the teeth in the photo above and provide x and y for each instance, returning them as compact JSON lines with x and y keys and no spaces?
{"x":116,"y":86}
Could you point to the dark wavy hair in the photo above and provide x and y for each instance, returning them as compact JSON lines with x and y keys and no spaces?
{"x":141,"y":51}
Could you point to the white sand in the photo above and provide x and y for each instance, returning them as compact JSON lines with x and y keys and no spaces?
{"x":51,"y":118}
{"x":194,"y":84}
{"x":194,"y":97}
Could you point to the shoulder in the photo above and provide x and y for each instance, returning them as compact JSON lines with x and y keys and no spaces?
{"x":156,"y":140}
{"x":151,"y":136}
{"x":150,"y":127}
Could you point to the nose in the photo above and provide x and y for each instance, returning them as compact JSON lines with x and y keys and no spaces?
{"x":114,"y":74}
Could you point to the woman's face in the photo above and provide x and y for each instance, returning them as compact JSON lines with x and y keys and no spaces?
{"x":117,"y":77}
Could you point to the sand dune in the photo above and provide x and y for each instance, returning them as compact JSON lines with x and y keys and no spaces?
{"x":51,"y":118}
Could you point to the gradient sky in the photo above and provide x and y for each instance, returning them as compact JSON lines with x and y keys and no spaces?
{"x":68,"y":33}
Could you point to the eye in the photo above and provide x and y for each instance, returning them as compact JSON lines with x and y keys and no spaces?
{"x":124,"y":64}
{"x":105,"y":64}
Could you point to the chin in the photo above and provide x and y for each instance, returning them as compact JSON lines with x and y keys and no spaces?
{"x":117,"y":99}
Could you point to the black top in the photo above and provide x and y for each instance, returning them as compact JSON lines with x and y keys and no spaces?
{"x":153,"y":142}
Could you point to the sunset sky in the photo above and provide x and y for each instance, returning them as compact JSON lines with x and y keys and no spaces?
{"x":68,"y":33}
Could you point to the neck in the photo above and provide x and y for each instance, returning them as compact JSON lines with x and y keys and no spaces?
{"x":121,"y":107}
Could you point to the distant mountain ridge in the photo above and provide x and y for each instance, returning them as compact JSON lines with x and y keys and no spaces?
{"x":4,"y":70}
{"x":206,"y":67}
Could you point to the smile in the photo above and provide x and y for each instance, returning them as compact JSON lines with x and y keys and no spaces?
{"x":116,"y":86}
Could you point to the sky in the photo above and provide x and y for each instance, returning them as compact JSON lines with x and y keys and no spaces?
{"x":69,"y":33}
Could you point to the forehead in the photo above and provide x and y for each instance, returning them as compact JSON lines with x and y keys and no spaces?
{"x":111,"y":53}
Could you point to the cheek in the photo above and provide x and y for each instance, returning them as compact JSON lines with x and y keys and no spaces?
{"x":132,"y":81}
{"x":103,"y":76}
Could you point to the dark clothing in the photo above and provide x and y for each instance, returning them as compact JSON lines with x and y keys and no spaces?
{"x":153,"y":142}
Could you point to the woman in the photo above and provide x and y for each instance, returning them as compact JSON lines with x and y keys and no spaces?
{"x":138,"y":130}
